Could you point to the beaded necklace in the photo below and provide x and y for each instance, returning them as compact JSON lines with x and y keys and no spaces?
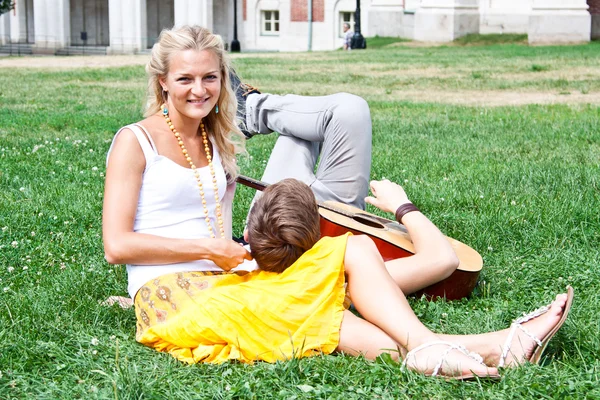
{"x":197,"y":174}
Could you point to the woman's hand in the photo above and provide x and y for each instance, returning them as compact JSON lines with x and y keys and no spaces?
{"x":228,"y":254}
{"x":387,"y":196}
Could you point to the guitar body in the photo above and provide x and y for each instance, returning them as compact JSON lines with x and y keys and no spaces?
{"x":393,"y":241}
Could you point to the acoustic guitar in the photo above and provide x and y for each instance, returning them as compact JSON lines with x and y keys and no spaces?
{"x":393,"y":241}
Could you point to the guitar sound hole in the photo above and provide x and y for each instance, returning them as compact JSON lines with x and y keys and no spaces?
{"x":365,"y":220}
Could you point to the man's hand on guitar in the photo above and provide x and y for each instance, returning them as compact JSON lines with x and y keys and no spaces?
{"x":387,"y":195}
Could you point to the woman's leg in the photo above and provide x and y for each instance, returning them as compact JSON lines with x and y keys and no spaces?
{"x":490,"y":345}
{"x":379,"y":300}
{"x":392,"y":324}
{"x":359,"y":337}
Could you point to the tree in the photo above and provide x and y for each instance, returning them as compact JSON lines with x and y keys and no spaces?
{"x":6,"y":6}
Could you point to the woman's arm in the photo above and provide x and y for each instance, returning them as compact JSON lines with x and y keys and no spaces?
{"x":434,"y":258}
{"x":124,"y":246}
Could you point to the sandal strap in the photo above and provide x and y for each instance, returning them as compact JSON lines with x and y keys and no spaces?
{"x":517,"y":324}
{"x":248,"y":89}
{"x":451,"y":347}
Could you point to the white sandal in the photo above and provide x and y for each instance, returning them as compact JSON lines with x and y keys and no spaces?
{"x":451,"y":347}
{"x":541,"y":344}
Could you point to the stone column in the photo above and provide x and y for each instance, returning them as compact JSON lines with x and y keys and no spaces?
{"x":194,"y":12}
{"x":4,"y":29}
{"x":52,"y":25}
{"x":446,"y":20}
{"x":505,"y":16}
{"x":18,"y":22}
{"x":127,"y":26}
{"x":559,"y":21}
{"x":222,"y":19}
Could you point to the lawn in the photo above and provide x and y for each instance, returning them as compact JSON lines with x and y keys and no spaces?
{"x":498,"y":144}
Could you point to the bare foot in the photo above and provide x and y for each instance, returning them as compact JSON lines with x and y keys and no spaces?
{"x":441,"y":359}
{"x":124,"y":302}
{"x":523,"y":346}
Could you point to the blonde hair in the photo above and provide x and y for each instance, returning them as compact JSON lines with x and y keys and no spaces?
{"x":221,"y":127}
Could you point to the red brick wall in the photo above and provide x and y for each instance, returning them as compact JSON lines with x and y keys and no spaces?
{"x":299,"y":10}
{"x":594,"y":6}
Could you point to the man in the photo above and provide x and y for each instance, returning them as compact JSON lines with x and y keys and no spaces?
{"x":325,"y":142}
{"x":347,"y":36}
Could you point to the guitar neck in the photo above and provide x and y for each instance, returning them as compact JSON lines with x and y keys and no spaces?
{"x":252,"y":183}
{"x":260,"y":185}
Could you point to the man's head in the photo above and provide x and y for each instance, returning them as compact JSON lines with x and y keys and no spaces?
{"x":283,"y":224}
{"x":346,"y":26}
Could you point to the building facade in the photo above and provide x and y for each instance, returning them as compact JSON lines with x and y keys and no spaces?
{"x":130,"y":26}
{"x":595,"y":12}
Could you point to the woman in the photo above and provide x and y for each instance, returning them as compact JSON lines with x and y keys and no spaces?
{"x":168,"y":193}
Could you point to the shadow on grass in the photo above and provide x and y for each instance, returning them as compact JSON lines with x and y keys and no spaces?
{"x":378,"y":42}
{"x":475,"y":39}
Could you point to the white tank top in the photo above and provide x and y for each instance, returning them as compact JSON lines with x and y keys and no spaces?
{"x":169,"y":205}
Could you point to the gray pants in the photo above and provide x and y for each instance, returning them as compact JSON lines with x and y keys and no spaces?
{"x":336,"y":127}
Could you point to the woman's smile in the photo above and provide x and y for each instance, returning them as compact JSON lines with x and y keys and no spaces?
{"x":198,"y":101}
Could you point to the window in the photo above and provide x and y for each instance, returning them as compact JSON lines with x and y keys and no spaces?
{"x":270,"y":22}
{"x":411,"y":5}
{"x":348,"y":18}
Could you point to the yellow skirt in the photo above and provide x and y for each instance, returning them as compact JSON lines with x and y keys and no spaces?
{"x":204,"y":317}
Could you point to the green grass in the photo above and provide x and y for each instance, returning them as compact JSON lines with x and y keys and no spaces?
{"x":521,"y":184}
{"x":397,"y":69}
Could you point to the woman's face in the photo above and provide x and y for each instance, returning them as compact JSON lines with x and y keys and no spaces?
{"x":193,"y":83}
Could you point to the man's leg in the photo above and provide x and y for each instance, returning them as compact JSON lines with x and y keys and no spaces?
{"x":338,"y":127}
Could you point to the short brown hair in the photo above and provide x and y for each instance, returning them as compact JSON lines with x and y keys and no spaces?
{"x":283,"y":224}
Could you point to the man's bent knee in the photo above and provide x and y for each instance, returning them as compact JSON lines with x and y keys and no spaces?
{"x":352,"y":109}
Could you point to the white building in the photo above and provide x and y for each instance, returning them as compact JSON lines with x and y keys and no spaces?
{"x":129,"y":26}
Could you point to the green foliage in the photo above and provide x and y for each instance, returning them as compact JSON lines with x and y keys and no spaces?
{"x":521,"y":184}
{"x":6,"y":5}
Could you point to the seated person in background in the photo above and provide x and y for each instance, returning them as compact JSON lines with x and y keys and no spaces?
{"x":347,"y":36}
